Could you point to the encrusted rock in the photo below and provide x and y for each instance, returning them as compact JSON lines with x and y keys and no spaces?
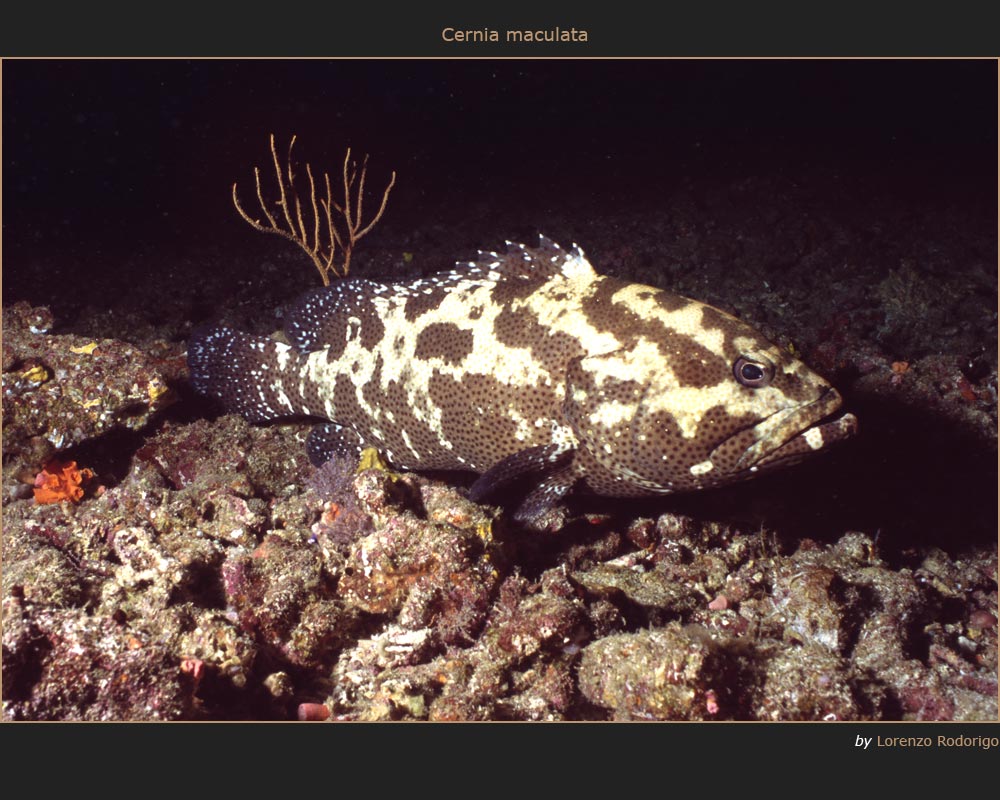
{"x":663,"y":674}
{"x":64,"y":390}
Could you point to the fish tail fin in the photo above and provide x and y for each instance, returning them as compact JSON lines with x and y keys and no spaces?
{"x":248,"y":374}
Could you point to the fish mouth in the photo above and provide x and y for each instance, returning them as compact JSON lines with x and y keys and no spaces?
{"x":794,"y":433}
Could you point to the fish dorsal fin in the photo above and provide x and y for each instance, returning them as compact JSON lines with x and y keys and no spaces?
{"x":320,"y":317}
{"x":570,"y":263}
{"x":521,"y":262}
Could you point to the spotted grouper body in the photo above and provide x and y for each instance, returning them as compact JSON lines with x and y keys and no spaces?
{"x":529,"y":365}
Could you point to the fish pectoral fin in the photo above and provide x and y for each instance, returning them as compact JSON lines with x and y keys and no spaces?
{"x":551,"y":473}
{"x":540,"y":510}
{"x":330,"y":440}
{"x":546,"y":458}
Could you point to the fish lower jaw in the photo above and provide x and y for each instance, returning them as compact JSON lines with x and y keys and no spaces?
{"x":813,"y":438}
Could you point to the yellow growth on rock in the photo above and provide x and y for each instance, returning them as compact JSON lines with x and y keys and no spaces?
{"x":370,"y":459}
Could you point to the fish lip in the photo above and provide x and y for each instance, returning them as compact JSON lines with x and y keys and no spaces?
{"x":786,"y":434}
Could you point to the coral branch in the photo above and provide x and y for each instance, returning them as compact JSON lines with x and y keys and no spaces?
{"x":344,"y":225}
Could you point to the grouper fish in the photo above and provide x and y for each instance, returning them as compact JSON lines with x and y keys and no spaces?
{"x":529,"y":368}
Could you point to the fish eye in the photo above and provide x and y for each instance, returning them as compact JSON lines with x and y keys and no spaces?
{"x":752,"y":372}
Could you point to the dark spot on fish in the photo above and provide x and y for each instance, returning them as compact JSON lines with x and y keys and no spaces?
{"x":419,"y":303}
{"x":444,"y":340}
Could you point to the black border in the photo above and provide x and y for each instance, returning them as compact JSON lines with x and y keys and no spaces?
{"x":581,"y":759}
{"x":120,"y":758}
{"x":623,"y":29}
